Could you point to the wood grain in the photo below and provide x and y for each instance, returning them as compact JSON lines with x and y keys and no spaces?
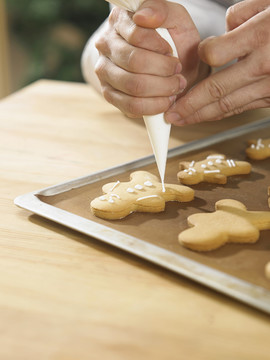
{"x":65,"y":296}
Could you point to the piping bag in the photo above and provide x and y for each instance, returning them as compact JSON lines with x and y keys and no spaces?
{"x":157,"y":128}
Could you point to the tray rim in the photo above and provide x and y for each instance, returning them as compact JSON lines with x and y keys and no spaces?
{"x":250,"y":294}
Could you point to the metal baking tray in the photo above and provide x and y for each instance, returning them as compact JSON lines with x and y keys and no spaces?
{"x":235,"y":270}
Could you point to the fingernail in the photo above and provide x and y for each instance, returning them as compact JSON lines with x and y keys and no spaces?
{"x":146,"y":12}
{"x":172,"y":98}
{"x":172,"y":117}
{"x":178,"y":68}
{"x":182,"y":84}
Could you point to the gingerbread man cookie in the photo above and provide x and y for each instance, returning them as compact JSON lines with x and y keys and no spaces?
{"x":143,"y":193}
{"x":258,"y":149}
{"x":214,"y":169}
{"x":231,"y":222}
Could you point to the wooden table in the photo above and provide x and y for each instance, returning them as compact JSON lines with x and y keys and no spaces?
{"x":65,"y":296}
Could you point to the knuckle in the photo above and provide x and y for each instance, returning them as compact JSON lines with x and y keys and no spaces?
{"x":107,"y":94}
{"x":133,"y":60}
{"x":113,"y":17}
{"x":101,"y":44}
{"x":207,"y":51}
{"x":135,"y":107}
{"x":261,"y":37}
{"x":215,"y":89}
{"x":226,"y":105}
{"x":197,"y":117}
{"x":187,"y":107}
{"x":231,"y":16}
{"x":133,"y":35}
{"x":100,"y":68}
{"x":135,"y":85}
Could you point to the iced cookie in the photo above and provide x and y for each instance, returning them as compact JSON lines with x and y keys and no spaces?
{"x":231,"y":222}
{"x":214,"y":169}
{"x":258,"y":149}
{"x":143,"y":193}
{"x":267,"y":270}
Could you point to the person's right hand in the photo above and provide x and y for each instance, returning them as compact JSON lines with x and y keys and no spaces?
{"x":136,"y":69}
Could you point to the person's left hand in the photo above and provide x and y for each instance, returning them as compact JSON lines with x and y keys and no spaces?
{"x":242,"y":86}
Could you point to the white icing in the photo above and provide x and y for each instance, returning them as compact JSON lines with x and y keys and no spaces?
{"x":211,"y":171}
{"x":114,"y":186}
{"x":138,"y":187}
{"x":203,"y":166}
{"x":115,"y":195}
{"x":190,"y":171}
{"x":231,"y":163}
{"x":111,"y":200}
{"x":130,"y":190}
{"x":253,"y":146}
{"x":215,"y":157}
{"x":148,"y":183}
{"x":102,"y":198}
{"x":192,"y":164}
{"x":210,"y":163}
{"x":219,"y":161}
{"x":147,"y":197}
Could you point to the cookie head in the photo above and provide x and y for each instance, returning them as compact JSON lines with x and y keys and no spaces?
{"x":258,"y":149}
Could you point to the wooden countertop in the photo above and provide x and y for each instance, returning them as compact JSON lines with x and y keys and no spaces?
{"x":65,"y":296}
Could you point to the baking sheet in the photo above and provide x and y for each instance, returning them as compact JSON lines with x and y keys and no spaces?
{"x":234,"y":269}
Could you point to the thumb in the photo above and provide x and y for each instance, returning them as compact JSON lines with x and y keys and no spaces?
{"x":151,"y":14}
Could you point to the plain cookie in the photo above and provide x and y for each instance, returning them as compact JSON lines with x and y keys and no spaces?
{"x":230,"y":223}
{"x":143,"y":193}
{"x":214,"y":169}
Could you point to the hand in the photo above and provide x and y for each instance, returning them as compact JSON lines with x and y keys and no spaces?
{"x":137,"y":71}
{"x":242,"y":86}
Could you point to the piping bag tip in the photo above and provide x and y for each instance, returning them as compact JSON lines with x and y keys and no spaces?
{"x":159,"y":134}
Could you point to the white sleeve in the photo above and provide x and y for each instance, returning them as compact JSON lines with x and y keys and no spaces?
{"x":208,"y":16}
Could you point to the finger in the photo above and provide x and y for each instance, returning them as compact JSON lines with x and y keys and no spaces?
{"x":138,"y":60}
{"x":218,"y":51}
{"x":136,"y":106}
{"x":151,"y":14}
{"x":214,"y":88}
{"x":142,"y":85}
{"x":242,"y":99}
{"x":184,"y":33}
{"x":137,"y":36}
{"x":242,"y":11}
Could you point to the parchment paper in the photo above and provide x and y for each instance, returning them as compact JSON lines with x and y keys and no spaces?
{"x":246,"y":262}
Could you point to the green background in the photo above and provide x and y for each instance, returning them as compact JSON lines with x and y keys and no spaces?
{"x":53,"y":33}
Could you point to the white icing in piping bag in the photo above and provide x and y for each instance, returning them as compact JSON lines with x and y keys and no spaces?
{"x":157,"y":128}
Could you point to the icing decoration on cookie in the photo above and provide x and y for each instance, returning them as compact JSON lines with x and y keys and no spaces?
{"x":258,"y":149}
{"x":214,"y":169}
{"x":230,"y":223}
{"x":143,"y":193}
{"x":267,"y":270}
